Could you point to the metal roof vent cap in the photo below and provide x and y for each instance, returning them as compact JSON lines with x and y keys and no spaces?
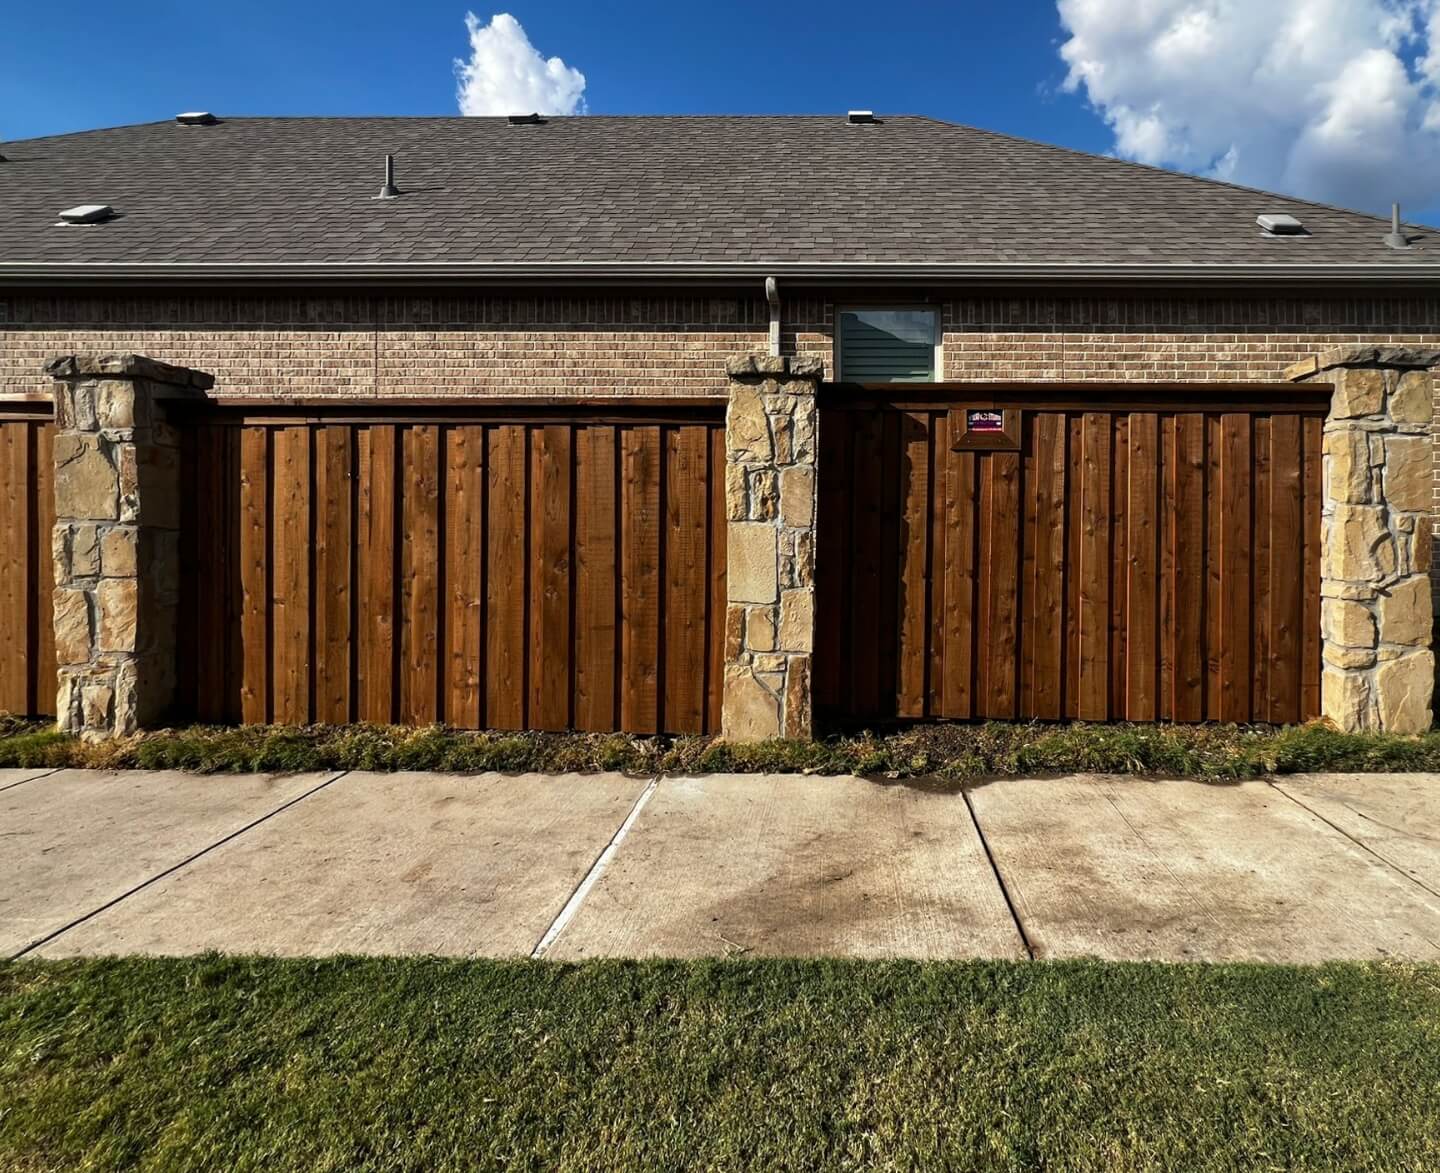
{"x":196,"y":118}
{"x":859,"y":117}
{"x":525,"y":120}
{"x":1280,"y":224}
{"x":87,"y":214}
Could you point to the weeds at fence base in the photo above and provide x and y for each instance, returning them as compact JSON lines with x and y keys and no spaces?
{"x":946,"y":751}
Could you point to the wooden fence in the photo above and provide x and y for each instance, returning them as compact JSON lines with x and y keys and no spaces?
{"x":542,"y":568}
{"x":1126,"y":558}
{"x":27,"y":572}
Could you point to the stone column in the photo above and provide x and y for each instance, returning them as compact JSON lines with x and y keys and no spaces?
{"x":770,"y":447}
{"x":1375,"y":607}
{"x":116,"y":539}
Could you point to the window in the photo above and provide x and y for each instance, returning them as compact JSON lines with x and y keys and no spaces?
{"x":888,"y":345}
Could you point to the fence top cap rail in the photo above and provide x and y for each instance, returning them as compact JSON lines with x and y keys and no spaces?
{"x":1019,"y":394}
{"x":570,"y":407}
{"x":1135,"y":388}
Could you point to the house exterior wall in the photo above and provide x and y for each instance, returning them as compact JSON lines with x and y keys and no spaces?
{"x":616,"y":344}
{"x":625,"y":344}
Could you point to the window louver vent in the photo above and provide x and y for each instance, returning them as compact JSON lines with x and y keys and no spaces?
{"x":879,"y":346}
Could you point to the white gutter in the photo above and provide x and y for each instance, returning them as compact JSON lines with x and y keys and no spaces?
{"x":664,"y":273}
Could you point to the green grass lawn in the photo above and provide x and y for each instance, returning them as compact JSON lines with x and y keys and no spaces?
{"x":242,"y":1063}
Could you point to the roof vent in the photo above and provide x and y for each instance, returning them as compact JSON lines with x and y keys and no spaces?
{"x":87,"y":214}
{"x":526,"y":120}
{"x":1396,"y":238}
{"x":196,"y":118}
{"x":1280,"y":224}
{"x":389,"y":191}
{"x":855,"y":117}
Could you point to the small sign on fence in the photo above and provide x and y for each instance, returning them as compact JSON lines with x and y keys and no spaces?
{"x":989,"y":428}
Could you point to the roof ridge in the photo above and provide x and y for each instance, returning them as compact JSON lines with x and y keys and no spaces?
{"x":1207,"y":180}
{"x":221,"y":117}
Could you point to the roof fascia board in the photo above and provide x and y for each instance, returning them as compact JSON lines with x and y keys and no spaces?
{"x":19,"y":273}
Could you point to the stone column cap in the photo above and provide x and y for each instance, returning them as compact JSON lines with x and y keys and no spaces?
{"x":799,"y":366}
{"x":126,"y":366}
{"x":1408,"y":357}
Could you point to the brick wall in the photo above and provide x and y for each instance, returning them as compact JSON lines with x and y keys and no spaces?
{"x":605,"y":345}
{"x":289,"y":344}
{"x":431,"y":345}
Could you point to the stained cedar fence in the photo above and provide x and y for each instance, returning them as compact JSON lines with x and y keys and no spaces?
{"x":517,"y":568}
{"x":27,"y":573}
{"x":1143,"y":554}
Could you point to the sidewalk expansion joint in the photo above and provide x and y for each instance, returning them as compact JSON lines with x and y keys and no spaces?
{"x":592,"y":877}
{"x":1365,"y":847}
{"x":189,"y":859}
{"x":999,"y":878}
{"x":32,"y":778}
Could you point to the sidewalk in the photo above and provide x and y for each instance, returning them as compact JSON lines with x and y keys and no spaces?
{"x":1303,"y":869}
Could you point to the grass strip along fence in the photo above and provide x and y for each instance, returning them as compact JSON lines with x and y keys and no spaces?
{"x":946,"y":751}
{"x":418,"y":1063}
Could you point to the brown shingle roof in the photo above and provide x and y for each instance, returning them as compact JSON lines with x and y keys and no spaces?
{"x":675,"y":190}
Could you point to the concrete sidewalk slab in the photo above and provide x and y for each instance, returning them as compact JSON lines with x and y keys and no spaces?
{"x":1132,"y":868}
{"x":75,"y":840}
{"x":1397,"y":816}
{"x":795,"y":865}
{"x":381,"y":863}
{"x":13,"y":777}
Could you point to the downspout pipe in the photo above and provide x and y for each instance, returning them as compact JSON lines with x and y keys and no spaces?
{"x":772,"y":295}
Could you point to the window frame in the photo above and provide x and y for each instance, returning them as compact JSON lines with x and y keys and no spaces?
{"x":930,"y":308}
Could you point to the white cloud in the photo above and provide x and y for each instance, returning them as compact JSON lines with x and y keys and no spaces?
{"x":1333,"y":100}
{"x":506,"y":75}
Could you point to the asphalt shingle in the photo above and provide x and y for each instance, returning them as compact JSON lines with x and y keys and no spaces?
{"x":757,"y":190}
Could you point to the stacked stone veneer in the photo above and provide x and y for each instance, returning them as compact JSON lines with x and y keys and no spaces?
{"x":1379,"y":670}
{"x":116,"y":540}
{"x":771,"y":444}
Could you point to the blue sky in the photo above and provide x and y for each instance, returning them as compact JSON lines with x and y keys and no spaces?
{"x":994,"y":65}
{"x":1174,"y":91}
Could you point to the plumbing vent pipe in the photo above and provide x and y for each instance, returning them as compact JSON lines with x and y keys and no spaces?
{"x":1395,"y":238}
{"x":389,"y":191}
